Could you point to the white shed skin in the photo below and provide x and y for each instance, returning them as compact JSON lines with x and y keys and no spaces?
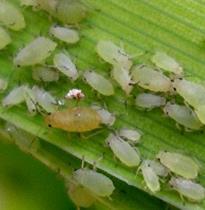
{"x":97,"y":183}
{"x":65,"y":65}
{"x":99,"y":83}
{"x":5,"y":38}
{"x":191,"y":190}
{"x":68,"y":35}
{"x":148,"y":78}
{"x":193,"y":93}
{"x":11,"y":17}
{"x":149,"y":100}
{"x":183,"y":115}
{"x":123,"y":151}
{"x":167,"y":63}
{"x":150,"y":177}
{"x":113,"y":54}
{"x":179,"y":164}
{"x":35,"y":52}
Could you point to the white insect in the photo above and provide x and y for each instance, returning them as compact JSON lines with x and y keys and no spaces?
{"x":80,"y":196}
{"x":99,"y":83}
{"x":45,"y":74}
{"x":65,"y":65}
{"x":191,"y":190}
{"x":200,"y":112}
{"x":75,"y":94}
{"x":183,"y":115}
{"x":95,"y":182}
{"x":15,"y":97}
{"x":150,"y":79}
{"x":123,"y":151}
{"x":130,"y":134}
{"x":150,"y":177}
{"x":28,"y":3}
{"x":167,"y":63}
{"x":179,"y":164}
{"x":107,"y":118}
{"x":149,"y":100}
{"x":193,"y":93}
{"x":113,"y":54}
{"x":44,"y":99}
{"x":5,"y":38}
{"x":158,"y":168}
{"x":3,"y":84}
{"x":123,"y":78}
{"x":67,"y":35}
{"x":11,"y":17}
{"x":30,"y":100}
{"x":35,"y":52}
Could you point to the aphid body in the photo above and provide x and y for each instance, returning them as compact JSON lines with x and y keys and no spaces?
{"x":67,"y":35}
{"x":97,"y":183}
{"x":191,"y":190}
{"x":123,"y":78}
{"x":149,"y":100}
{"x":150,"y":177}
{"x":30,"y":100}
{"x":78,"y":119}
{"x":28,"y":2}
{"x":179,"y":164}
{"x":107,"y":118}
{"x":10,"y":16}
{"x":123,"y":151}
{"x":200,"y":112}
{"x":5,"y":38}
{"x":167,"y":63}
{"x":35,"y":52}
{"x":80,"y":195}
{"x":150,"y":79}
{"x":45,"y":74}
{"x":130,"y":134}
{"x":183,"y":115}
{"x":65,"y":65}
{"x":99,"y":83}
{"x":113,"y":54}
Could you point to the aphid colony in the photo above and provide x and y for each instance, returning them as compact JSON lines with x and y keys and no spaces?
{"x":166,"y":77}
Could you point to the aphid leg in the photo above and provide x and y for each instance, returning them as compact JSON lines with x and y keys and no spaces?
{"x":96,"y":161}
{"x":83,"y":162}
{"x":91,"y":135}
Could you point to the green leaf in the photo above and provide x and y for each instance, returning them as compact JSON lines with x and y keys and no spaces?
{"x":175,"y":26}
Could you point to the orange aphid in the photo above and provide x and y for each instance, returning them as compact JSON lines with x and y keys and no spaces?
{"x":78,"y":119}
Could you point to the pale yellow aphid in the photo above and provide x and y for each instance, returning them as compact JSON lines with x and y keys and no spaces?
{"x":80,"y":196}
{"x":193,"y":93}
{"x":183,"y":115}
{"x":78,"y":119}
{"x":35,"y":52}
{"x":68,"y":35}
{"x":5,"y":38}
{"x":179,"y":164}
{"x":167,"y":63}
{"x":148,"y":78}
{"x":28,"y":3}
{"x":10,"y":16}
{"x":99,"y":83}
{"x":150,"y":177}
{"x":123,"y":78}
{"x":113,"y":54}
{"x":48,"y":5}
{"x":191,"y":190}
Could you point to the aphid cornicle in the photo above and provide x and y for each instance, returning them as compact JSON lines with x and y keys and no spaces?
{"x":167,"y":63}
{"x":183,"y":115}
{"x":179,"y":164}
{"x":148,"y":78}
{"x":35,"y":52}
{"x":78,"y":119}
{"x":123,"y":151}
{"x":99,"y":83}
{"x":150,"y":177}
{"x":191,"y":190}
{"x":10,"y":16}
{"x":80,"y":196}
{"x":95,"y":182}
{"x":5,"y":38}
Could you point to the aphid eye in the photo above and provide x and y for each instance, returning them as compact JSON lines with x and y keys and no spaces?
{"x":49,"y":125}
{"x":180,"y":78}
{"x":18,"y":66}
{"x":174,"y":89}
{"x":172,"y":80}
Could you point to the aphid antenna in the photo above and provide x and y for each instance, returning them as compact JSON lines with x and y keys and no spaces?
{"x":95,"y":162}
